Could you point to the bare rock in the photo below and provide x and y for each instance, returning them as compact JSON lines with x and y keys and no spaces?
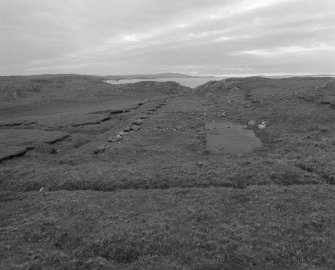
{"x":251,"y":123}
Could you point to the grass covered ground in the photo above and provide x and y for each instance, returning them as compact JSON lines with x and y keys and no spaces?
{"x":213,"y":228}
{"x":154,"y":197}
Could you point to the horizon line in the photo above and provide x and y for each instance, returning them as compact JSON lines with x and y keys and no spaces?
{"x":187,"y":74}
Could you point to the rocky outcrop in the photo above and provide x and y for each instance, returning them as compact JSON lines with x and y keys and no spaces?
{"x":322,"y":94}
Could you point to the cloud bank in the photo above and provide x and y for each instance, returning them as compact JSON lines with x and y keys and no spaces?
{"x":217,"y":37}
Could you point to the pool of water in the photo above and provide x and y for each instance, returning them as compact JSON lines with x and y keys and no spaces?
{"x":230,"y":138}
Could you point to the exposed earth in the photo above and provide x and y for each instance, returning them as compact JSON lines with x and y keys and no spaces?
{"x":234,"y":174}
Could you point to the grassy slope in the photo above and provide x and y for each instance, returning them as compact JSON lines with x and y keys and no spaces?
{"x":170,"y":204}
{"x":169,"y":149}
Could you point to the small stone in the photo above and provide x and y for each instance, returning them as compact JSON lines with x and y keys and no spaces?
{"x":137,"y":122}
{"x":136,"y":127}
{"x":128,"y":129}
{"x":100,"y":149}
{"x":251,"y":123}
{"x":115,"y":139}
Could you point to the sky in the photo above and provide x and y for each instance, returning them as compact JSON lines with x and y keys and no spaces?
{"x":195,"y":37}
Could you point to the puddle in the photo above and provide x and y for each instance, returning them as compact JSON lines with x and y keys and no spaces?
{"x":230,"y":138}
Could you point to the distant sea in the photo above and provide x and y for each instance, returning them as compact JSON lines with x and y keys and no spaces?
{"x":189,"y":82}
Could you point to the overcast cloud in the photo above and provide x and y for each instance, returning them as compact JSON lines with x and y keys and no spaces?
{"x":219,"y":37}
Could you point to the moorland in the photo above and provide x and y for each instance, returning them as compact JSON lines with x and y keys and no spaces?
{"x":151,"y":175}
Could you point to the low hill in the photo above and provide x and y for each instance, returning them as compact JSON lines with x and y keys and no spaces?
{"x":167,"y":88}
{"x":49,"y":86}
{"x":149,"y":76}
{"x":56,"y":87}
